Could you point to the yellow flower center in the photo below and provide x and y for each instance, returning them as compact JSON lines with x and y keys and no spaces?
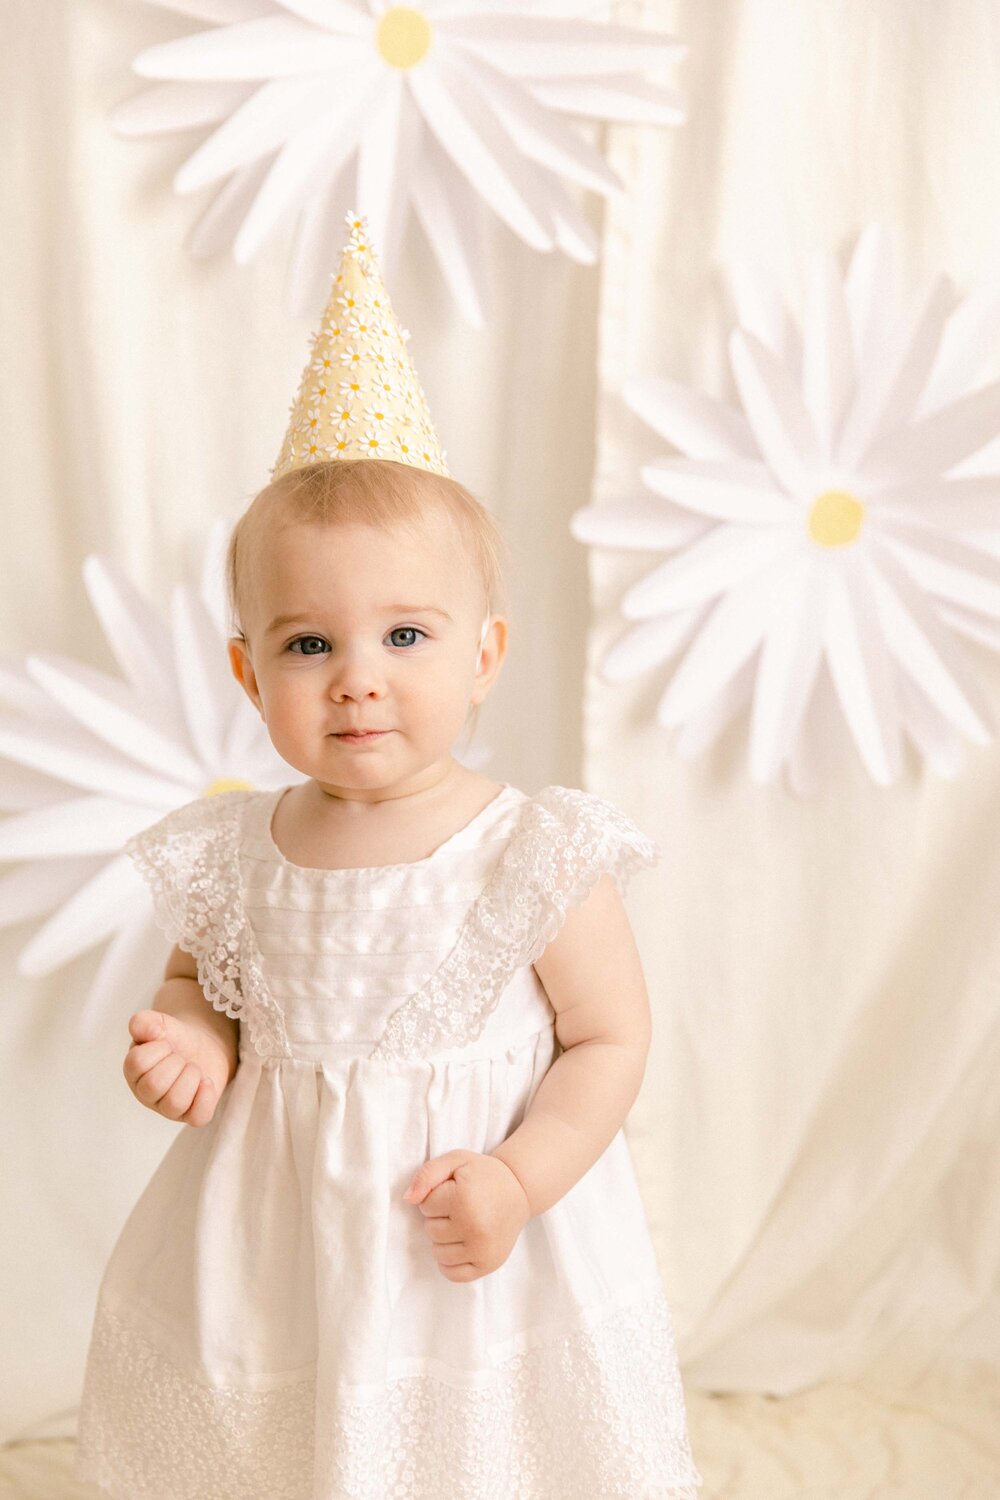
{"x":835,"y":518}
{"x":403,"y":37}
{"x":227,"y":784}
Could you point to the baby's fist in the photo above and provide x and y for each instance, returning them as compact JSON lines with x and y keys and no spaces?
{"x":173,"y":1067}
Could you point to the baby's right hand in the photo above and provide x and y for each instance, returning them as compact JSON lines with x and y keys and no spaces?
{"x":175,"y":1067}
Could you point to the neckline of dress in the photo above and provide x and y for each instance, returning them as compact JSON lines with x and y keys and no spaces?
{"x":271,"y":807}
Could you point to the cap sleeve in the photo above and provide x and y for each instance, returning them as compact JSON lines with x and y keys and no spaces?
{"x":580,"y":837}
{"x":188,"y":861}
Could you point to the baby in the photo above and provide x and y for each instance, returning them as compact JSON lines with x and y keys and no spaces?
{"x":367,"y":591}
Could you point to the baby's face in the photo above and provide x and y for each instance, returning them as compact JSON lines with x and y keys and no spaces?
{"x":384,"y":635}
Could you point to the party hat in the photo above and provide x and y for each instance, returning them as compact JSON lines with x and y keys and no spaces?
{"x":359,"y":396}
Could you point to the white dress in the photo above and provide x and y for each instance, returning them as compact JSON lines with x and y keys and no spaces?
{"x":272,"y":1323}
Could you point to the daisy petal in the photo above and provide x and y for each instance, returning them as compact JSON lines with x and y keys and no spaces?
{"x":73,"y":825}
{"x":30,"y":891}
{"x":730,"y":635}
{"x":206,"y":684}
{"x":985,"y":632}
{"x":534,"y":130}
{"x":954,"y":504}
{"x":136,"y":636}
{"x":789,"y":662}
{"x":123,"y":969}
{"x":22,"y":788}
{"x":644,"y":525}
{"x":275,"y":46}
{"x":323,"y":146}
{"x":701,"y":730}
{"x":943,"y":566}
{"x":774,"y":406}
{"x":760,"y":309}
{"x":537,"y":47}
{"x":933,"y":737}
{"x":316,"y":244}
{"x":827,"y":363}
{"x":333,"y":15}
{"x":650,"y":644}
{"x":219,"y":224}
{"x":926,"y":650}
{"x":963,"y":351}
{"x":696,"y":424}
{"x":383,"y":177}
{"x":716,"y":561}
{"x":106,"y":707}
{"x":862,"y":673}
{"x":726,"y":490}
{"x":510,"y":185}
{"x":78,"y":759}
{"x":870,"y":286}
{"x":273,"y":112}
{"x":88,"y":917}
{"x":164,"y":107}
{"x":933,"y":444}
{"x":633,"y":101}
{"x":892,"y":378}
{"x":451,"y":225}
{"x":575,"y":234}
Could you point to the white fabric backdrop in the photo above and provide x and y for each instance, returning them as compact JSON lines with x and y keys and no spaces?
{"x":817,"y":1135}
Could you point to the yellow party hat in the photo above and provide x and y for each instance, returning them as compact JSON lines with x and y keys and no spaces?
{"x":359,"y":396}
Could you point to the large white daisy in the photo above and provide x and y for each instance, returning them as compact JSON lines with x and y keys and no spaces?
{"x":321,"y":106}
{"x":833,"y":538}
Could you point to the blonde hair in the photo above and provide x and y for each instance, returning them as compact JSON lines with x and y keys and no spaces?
{"x":367,"y":491}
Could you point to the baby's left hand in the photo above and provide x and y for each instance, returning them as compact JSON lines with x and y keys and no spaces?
{"x":474,"y":1210}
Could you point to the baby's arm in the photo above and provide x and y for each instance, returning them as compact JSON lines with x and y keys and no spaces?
{"x":183,"y":1052}
{"x":593,"y":976}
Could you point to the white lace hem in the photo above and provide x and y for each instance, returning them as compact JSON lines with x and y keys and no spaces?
{"x":592,"y":1413}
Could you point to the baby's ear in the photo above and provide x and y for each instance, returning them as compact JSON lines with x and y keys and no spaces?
{"x":242,"y":668}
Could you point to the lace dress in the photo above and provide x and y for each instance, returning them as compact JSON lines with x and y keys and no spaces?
{"x":272,"y":1324}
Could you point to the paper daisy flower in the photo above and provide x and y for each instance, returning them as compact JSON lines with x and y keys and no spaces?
{"x":828,"y":547}
{"x":315,"y":107}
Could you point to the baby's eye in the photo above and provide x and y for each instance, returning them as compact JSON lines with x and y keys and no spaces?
{"x":406,"y":630}
{"x":307,"y":638}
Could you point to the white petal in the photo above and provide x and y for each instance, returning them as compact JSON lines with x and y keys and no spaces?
{"x":952,"y":504}
{"x":77,"y":758}
{"x":334,"y":15}
{"x":760,"y":309}
{"x":933,"y":737}
{"x":272,"y":47}
{"x":824,"y":746}
{"x":512,"y":186}
{"x":862,"y":672}
{"x":984,"y":631}
{"x":575,"y":234}
{"x":730,"y":635}
{"x":931,"y":655}
{"x":933,"y":444}
{"x":164,"y":107}
{"x":634,"y":101}
{"x":73,"y":825}
{"x":136,"y":636}
{"x":219,"y":224}
{"x":650,"y":644}
{"x":645,"y":525}
{"x":537,"y":47}
{"x":698,"y":733}
{"x":218,"y":12}
{"x":124,"y":969}
{"x":207,"y":685}
{"x":451,"y":222}
{"x":90,"y":915}
{"x":22,"y":787}
{"x":212,"y":579}
{"x":776,"y":412}
{"x":789,"y":661}
{"x":726,"y":490}
{"x":716,"y":561}
{"x":19,"y":692}
{"x":827,"y":358}
{"x":30,"y":891}
{"x":272,"y":114}
{"x":696,"y":424}
{"x":307,"y":161}
{"x":870,"y":286}
{"x":106,"y":707}
{"x":891,"y":380}
{"x":944,"y":567}
{"x":535,"y":130}
{"x":318,"y":243}
{"x":390,"y":147}
{"x":963,"y":354}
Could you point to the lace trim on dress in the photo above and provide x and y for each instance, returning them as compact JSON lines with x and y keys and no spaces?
{"x":595,"y":1410}
{"x":566,"y":840}
{"x":189,"y":861}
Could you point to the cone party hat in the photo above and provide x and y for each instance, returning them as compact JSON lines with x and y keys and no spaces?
{"x":359,"y":396}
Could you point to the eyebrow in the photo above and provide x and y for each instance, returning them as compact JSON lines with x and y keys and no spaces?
{"x":416,"y":609}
